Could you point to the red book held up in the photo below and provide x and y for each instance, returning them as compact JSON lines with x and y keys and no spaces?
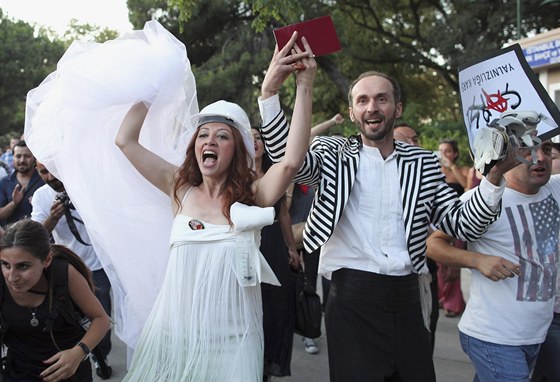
{"x":319,"y":33}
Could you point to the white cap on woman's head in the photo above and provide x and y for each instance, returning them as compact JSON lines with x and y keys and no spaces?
{"x":231,"y":114}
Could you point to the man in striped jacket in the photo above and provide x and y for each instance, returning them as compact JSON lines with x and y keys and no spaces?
{"x":374,"y":203}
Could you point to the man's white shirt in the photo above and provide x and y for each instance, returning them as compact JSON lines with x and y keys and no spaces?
{"x":42,"y":202}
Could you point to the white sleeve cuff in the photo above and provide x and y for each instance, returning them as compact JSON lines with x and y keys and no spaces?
{"x":492,"y":194}
{"x":269,"y":109}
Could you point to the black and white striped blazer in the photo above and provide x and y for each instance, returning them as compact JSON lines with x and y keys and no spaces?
{"x":331,"y":165}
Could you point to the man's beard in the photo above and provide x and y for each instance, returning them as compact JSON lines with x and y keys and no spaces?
{"x":56,"y":185}
{"x":379,"y":134}
{"x":23,"y":169}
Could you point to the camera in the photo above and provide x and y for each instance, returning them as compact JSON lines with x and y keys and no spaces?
{"x":64,"y":199}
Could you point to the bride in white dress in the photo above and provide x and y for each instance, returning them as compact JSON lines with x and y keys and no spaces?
{"x":206,"y":324}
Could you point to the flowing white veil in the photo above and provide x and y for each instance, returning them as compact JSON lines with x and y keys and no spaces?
{"x":71,"y":122}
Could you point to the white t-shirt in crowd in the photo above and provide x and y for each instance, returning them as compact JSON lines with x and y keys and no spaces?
{"x":517,"y":311}
{"x":42,"y":201}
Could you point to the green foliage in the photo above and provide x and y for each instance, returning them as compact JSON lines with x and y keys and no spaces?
{"x":275,"y":12}
{"x":230,"y":42}
{"x":231,"y":74}
{"x":265,"y":11}
{"x":185,"y":7}
{"x":87,"y":32}
{"x":431,"y":135}
{"x":27,"y":56}
{"x":421,"y":43}
{"x":29,"y":53}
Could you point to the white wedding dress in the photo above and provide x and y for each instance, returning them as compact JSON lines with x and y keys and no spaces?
{"x":205,"y":326}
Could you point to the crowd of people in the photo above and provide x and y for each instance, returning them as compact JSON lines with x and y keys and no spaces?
{"x":385,"y":223}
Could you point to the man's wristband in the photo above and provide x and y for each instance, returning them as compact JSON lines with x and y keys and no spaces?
{"x":85,"y":349}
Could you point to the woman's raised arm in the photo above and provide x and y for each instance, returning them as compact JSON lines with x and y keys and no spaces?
{"x":273,"y":184}
{"x":155,"y":169}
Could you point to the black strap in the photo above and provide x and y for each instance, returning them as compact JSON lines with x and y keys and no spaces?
{"x":3,"y":323}
{"x":58,"y":290}
{"x":61,"y":304}
{"x":70,"y":219}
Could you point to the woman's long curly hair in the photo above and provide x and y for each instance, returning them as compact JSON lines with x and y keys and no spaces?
{"x":239,"y":181}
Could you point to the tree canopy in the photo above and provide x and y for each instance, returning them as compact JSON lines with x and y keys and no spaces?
{"x":28,"y":55}
{"x":420,"y":42}
{"x":26,"y":58}
{"x":229,"y":42}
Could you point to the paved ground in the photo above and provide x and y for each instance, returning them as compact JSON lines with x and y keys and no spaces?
{"x":452,"y":365}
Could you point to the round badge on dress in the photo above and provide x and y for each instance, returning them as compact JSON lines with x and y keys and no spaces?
{"x":196,"y":225}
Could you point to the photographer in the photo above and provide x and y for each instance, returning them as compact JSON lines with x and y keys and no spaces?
{"x":54,"y":210}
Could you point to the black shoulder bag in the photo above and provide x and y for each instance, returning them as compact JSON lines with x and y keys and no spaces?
{"x":60,"y":303}
{"x":308,"y":308}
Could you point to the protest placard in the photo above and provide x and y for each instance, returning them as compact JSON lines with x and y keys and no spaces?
{"x":503,"y":82}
